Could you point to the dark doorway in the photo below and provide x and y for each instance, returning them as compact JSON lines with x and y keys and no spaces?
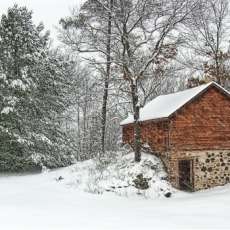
{"x":186,"y":175}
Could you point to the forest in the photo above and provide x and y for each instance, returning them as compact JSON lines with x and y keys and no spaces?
{"x":62,"y":104}
{"x":117,"y":116}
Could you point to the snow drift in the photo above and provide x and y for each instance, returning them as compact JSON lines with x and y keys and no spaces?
{"x":119,"y":175}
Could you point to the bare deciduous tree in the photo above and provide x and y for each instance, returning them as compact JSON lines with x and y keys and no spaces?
{"x":206,"y":36}
{"x":90,"y":31}
{"x":146,"y":31}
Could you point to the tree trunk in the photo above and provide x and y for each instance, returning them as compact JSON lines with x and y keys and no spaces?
{"x":107,"y":77}
{"x":79,"y":131}
{"x":137,"y":128}
{"x":104,"y":113}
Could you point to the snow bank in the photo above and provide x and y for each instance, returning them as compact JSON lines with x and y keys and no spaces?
{"x":119,"y":176}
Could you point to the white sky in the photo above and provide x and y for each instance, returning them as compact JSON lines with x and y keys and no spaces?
{"x":47,"y":11}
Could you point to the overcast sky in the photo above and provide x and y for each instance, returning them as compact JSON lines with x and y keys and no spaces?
{"x":47,"y":11}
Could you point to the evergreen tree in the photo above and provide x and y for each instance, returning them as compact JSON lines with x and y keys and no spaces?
{"x":33,"y":87}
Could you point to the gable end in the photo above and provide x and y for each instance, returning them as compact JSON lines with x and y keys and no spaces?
{"x":216,"y":86}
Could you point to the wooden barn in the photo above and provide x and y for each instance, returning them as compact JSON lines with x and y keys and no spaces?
{"x":190,"y":132}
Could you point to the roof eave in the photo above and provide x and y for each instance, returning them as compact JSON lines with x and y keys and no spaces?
{"x":149,"y":120}
{"x":212,"y":84}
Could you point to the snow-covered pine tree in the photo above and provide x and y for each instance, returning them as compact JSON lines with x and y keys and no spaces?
{"x":33,"y":89}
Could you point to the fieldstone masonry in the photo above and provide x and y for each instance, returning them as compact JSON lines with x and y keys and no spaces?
{"x":210,"y":168}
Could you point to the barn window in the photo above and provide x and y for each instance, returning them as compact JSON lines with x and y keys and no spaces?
{"x":165,"y":125}
{"x":159,"y":125}
{"x":166,"y":143}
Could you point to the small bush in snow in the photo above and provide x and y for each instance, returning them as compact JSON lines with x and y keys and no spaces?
{"x":122,"y":176}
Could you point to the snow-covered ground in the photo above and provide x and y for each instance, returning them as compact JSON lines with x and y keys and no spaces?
{"x":116,"y":174}
{"x":41,"y":202}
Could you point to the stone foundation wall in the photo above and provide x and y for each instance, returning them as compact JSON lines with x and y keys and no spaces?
{"x":210,"y":168}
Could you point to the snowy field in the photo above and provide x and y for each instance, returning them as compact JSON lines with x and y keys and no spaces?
{"x":40,"y":202}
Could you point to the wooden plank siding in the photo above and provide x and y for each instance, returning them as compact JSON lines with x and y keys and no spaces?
{"x":203,"y":123}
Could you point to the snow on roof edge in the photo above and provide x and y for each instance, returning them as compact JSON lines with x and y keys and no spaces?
{"x":129,"y":119}
{"x":220,"y":87}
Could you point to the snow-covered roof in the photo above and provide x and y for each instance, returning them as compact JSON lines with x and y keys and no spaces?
{"x":165,"y":105}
